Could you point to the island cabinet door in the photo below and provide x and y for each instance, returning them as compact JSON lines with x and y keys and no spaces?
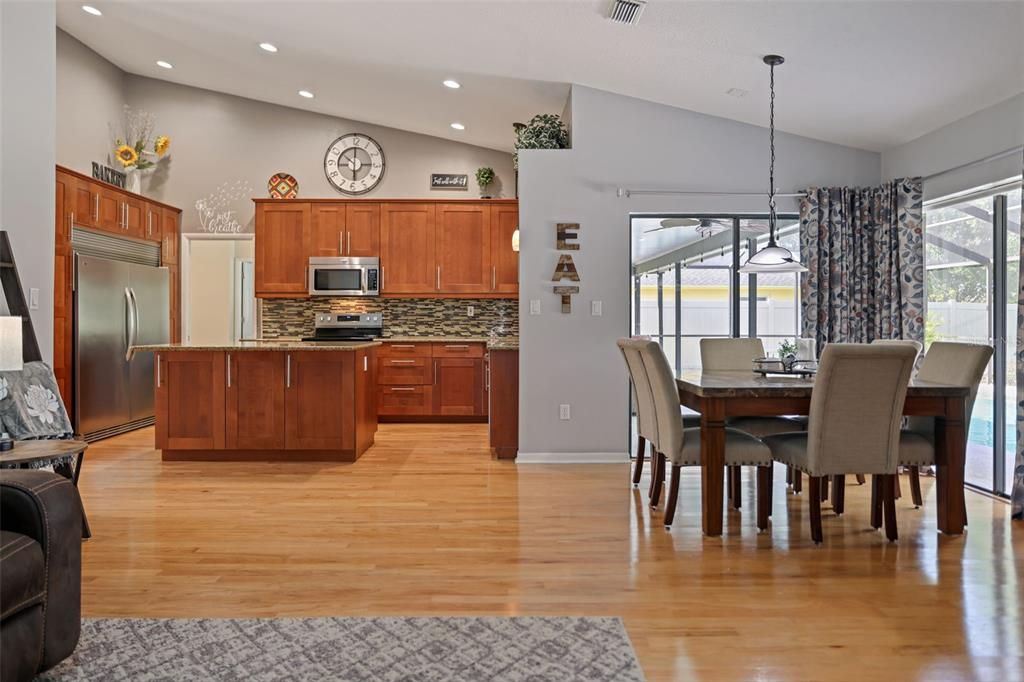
{"x":459,"y":386}
{"x":190,"y":400}
{"x":319,"y":400}
{"x":255,"y":400}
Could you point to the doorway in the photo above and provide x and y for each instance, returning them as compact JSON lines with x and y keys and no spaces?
{"x":218,"y":296}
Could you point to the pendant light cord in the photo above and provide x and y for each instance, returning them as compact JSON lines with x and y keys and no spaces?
{"x":771,"y":163}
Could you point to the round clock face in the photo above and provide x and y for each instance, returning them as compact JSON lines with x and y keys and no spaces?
{"x":354,"y":163}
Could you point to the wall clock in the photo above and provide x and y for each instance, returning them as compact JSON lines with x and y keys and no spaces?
{"x":354,"y":163}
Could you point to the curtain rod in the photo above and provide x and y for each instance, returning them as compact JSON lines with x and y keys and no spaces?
{"x":623,"y":192}
{"x":971,"y":164}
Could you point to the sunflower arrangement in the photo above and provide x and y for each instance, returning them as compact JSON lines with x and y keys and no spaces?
{"x":135,"y":147}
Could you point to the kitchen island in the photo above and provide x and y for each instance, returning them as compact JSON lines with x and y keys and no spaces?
{"x":265,"y":401}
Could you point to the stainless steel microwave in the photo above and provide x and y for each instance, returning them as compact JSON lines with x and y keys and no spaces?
{"x":344,"y":276}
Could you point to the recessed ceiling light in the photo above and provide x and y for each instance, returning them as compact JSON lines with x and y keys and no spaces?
{"x":306,"y":93}
{"x":268,"y":47}
{"x":458,"y":126}
{"x":165,"y":65}
{"x":454,"y":85}
{"x":92,"y":10}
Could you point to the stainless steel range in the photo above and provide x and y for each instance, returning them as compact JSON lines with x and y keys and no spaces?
{"x":338,"y":327}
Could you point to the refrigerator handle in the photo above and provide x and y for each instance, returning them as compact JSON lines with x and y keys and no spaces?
{"x":132,"y":333}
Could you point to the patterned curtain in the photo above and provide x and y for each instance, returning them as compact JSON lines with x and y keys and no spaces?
{"x":864,"y":251}
{"x":1018,"y":476}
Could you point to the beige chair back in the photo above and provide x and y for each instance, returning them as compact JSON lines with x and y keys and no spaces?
{"x":724,"y":355}
{"x":916,"y":345}
{"x":857,"y":408}
{"x":669,"y":440}
{"x":647,"y":424}
{"x":960,"y":364}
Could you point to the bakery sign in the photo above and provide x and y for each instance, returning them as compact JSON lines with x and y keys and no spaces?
{"x":449,"y":181}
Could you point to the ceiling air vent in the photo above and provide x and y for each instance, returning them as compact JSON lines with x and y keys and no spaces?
{"x":626,"y":11}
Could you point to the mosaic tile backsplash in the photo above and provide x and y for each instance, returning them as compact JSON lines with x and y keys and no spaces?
{"x":499,"y":318}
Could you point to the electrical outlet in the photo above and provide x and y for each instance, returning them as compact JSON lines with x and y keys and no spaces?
{"x":563,"y":412}
{"x":535,"y":306}
{"x":33,"y":298}
{"x":470,"y":311}
{"x":595,"y":308}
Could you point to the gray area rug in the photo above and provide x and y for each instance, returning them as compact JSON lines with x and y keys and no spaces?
{"x":527,"y":649}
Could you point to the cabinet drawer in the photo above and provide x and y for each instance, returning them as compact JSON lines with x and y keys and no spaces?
{"x":404,"y":350}
{"x":399,"y":371}
{"x":458,"y":349}
{"x":405,"y":400}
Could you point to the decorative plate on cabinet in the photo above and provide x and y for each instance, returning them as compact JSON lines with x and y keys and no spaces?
{"x":283,"y":186}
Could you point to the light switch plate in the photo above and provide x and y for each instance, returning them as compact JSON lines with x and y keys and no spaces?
{"x":563,"y":413}
{"x":33,"y":298}
{"x":595,"y":308}
{"x":535,"y":306}
{"x":470,"y":311}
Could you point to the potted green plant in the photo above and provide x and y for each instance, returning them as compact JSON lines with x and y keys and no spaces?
{"x":484,"y":177}
{"x":544,"y":131}
{"x":787,"y":353}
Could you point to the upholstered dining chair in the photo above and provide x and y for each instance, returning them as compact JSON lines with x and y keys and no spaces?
{"x":735,"y":355}
{"x":854,"y":423}
{"x":681,"y":446}
{"x":644,"y":403}
{"x":961,"y":364}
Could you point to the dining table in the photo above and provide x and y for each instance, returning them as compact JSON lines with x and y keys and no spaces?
{"x":719,"y":395}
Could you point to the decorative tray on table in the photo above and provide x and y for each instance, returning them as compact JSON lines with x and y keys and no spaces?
{"x":785,"y":367}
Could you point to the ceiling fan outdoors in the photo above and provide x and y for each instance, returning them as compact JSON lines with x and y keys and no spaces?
{"x":708,"y":227}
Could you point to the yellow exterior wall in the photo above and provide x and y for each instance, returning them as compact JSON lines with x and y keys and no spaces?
{"x":717,"y":293}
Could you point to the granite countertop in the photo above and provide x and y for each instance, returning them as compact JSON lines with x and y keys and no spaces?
{"x":435,"y":339}
{"x":269,"y":344}
{"x":508,"y":343}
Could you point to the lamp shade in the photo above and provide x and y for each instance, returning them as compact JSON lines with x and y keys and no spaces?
{"x":10,"y":344}
{"x":772,"y":259}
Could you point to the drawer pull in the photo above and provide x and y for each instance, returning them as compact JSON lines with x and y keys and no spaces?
{"x":402,"y":345}
{"x":394,"y":390}
{"x":456,"y":345}
{"x":403,"y":362}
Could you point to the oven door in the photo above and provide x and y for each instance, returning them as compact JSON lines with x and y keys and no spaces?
{"x":337,"y":280}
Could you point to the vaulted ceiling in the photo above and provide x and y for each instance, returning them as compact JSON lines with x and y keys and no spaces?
{"x":865,"y":74}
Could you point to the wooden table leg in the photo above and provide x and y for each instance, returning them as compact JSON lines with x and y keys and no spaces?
{"x":950,"y":456}
{"x":712,"y":454}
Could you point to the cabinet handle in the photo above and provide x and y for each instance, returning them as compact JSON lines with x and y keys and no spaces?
{"x":149,"y":223}
{"x":96,"y":208}
{"x":71,"y":225}
{"x":341,"y":242}
{"x":439,"y":278}
{"x":456,"y":345}
{"x":494,"y":278}
{"x":158,"y":356}
{"x":402,"y":345}
{"x":229,"y":370}
{"x":403,"y":362}
{"x":349,"y":237}
{"x":394,"y":390}
{"x":435,"y":372}
{"x":288,"y":370}
{"x":487,"y":372}
{"x":366,"y":364}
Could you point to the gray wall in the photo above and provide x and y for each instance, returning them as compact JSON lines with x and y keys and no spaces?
{"x":218,"y":138}
{"x":620,"y":141}
{"x":27,"y":124}
{"x":981,"y":134}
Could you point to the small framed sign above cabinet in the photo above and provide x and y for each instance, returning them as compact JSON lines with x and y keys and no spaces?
{"x":449,"y":181}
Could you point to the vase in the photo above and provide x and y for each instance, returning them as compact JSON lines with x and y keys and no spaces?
{"x":133,"y":181}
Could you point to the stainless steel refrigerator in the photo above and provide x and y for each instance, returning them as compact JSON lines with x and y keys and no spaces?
{"x":117,"y":305}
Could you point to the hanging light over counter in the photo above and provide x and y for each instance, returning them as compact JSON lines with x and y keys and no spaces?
{"x":772,"y":258}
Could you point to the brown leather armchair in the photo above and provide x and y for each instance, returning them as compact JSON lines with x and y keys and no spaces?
{"x":40,"y":571}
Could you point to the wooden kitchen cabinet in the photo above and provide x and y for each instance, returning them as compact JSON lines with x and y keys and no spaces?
{"x":84,"y":200}
{"x":459,"y":388}
{"x":405,"y":401}
{"x":282,"y":249}
{"x":152,"y":226}
{"x":255,"y":408}
{"x":463,"y":248}
{"x":327,"y":230}
{"x":109,"y":210}
{"x":135,"y":212}
{"x":315,"y":417}
{"x":170,"y":233}
{"x":407,"y":243}
{"x":365,"y":398}
{"x":504,"y":261}
{"x":503,"y":392}
{"x":190,"y":405}
{"x":362,"y":229}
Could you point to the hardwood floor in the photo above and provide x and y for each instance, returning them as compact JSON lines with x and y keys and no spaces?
{"x":427,"y":524}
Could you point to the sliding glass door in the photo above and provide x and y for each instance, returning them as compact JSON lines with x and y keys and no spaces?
{"x":972,"y":250}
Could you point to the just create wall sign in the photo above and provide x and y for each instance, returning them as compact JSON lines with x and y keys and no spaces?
{"x":566,"y":235}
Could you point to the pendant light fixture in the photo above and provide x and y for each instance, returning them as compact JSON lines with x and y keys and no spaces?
{"x":772,"y":258}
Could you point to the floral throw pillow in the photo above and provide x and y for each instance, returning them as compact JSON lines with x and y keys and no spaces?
{"x":30,"y":404}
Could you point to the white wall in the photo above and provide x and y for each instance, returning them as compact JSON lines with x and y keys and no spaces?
{"x":974,"y":137}
{"x":620,"y":141}
{"x":211,"y":288}
{"x":27,"y":149}
{"x":218,"y":138}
